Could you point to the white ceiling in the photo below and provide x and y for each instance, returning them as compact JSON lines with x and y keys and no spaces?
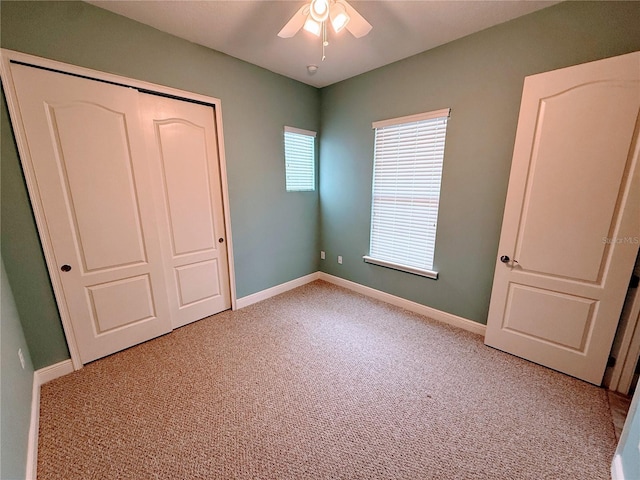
{"x":247,"y":29}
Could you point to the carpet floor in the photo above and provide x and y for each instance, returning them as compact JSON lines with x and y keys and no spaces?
{"x":321,"y":383}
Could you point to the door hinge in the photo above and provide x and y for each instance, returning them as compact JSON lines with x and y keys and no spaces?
{"x":635,"y":281}
{"x":611,"y":362}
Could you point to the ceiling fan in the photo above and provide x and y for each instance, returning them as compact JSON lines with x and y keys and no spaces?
{"x":313,"y":17}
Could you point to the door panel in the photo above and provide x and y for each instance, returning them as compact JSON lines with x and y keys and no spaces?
{"x":532,"y":312}
{"x":120,"y":303}
{"x":198,"y":282}
{"x":571,"y":225}
{"x":184,"y":159}
{"x":568,"y":156}
{"x":100,"y":192}
{"x":89,"y":161}
{"x":186,"y":184}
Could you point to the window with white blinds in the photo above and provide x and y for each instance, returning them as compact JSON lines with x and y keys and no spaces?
{"x":299,"y":157}
{"x":407,"y":173}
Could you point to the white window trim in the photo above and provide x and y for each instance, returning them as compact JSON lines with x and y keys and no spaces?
{"x":445,"y":112}
{"x":300,"y":131}
{"x":403,"y":268}
{"x":306,"y":133}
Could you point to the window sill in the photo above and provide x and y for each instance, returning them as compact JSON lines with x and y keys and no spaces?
{"x":403,"y":268}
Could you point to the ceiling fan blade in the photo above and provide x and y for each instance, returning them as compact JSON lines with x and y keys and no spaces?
{"x":358,"y":26}
{"x":295,"y":24}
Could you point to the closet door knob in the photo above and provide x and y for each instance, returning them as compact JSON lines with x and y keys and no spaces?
{"x":65,"y":268}
{"x":220,"y":240}
{"x":504,"y":259}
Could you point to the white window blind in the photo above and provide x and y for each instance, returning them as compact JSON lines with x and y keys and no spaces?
{"x":299,"y":154}
{"x":407,"y":173}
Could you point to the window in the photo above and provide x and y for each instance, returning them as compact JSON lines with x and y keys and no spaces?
{"x":407,"y":170}
{"x":299,"y":158}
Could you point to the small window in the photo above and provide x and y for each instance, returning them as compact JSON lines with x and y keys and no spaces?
{"x":299,"y":157}
{"x":407,"y":172}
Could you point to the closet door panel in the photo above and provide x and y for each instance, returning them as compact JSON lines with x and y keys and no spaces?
{"x":88,"y":157}
{"x":186,"y":184}
{"x":101,"y":192}
{"x":184,"y":160}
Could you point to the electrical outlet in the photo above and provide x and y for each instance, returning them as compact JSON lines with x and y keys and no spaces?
{"x":21,"y":357}
{"x":340,"y":259}
{"x":322,"y":255}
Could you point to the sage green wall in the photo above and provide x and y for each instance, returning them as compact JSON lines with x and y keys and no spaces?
{"x":480,"y":77}
{"x":16,"y":386}
{"x":275,"y":234}
{"x":21,"y":248}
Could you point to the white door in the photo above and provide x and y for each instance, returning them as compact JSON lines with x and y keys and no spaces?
{"x":571,"y":225}
{"x":90,"y":165}
{"x":184,"y":156}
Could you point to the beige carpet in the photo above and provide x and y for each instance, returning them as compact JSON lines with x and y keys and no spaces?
{"x":321,"y":383}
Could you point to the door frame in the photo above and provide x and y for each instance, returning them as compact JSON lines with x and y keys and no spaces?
{"x":9,"y":56}
{"x":628,"y":356}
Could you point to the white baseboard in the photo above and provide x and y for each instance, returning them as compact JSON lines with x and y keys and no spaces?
{"x":54,"y":371}
{"x":277,"y":290}
{"x":617,"y":471}
{"x":40,"y":377}
{"x":32,"y":446}
{"x":438,"y":315}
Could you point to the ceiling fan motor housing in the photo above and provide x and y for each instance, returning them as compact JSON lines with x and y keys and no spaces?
{"x":319,"y":10}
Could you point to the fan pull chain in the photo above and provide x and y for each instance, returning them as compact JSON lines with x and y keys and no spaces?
{"x":324,"y":39}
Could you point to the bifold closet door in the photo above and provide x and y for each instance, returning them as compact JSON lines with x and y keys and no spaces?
{"x":89,"y":160}
{"x":183,"y":152}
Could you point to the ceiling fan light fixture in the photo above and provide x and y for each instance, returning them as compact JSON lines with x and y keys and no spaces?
{"x":339,"y":17}
{"x":310,"y":25}
{"x":319,"y":10}
{"x":314,"y":15}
